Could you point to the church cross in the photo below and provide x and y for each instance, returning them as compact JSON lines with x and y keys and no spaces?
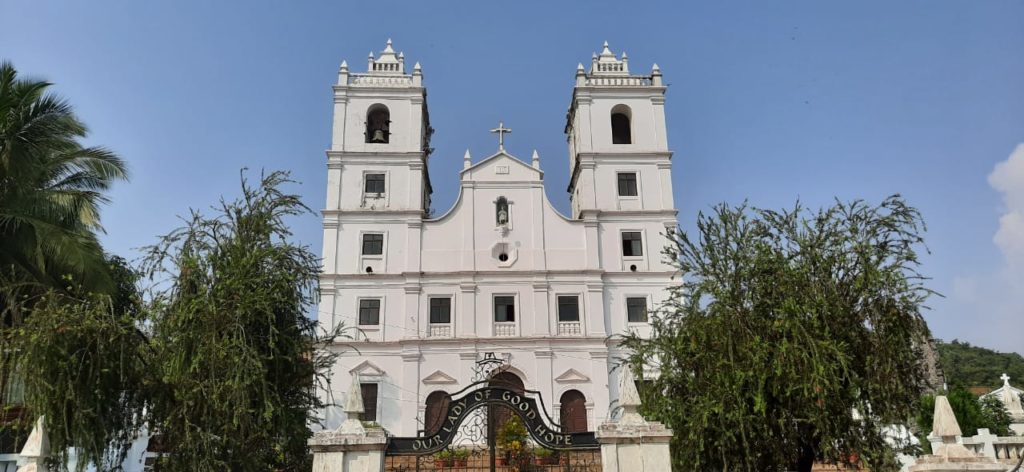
{"x":501,"y":130}
{"x":1005,"y":378}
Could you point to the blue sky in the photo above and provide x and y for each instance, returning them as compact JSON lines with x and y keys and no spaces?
{"x":768,"y":101}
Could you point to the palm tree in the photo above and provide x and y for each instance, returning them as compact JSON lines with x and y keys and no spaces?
{"x":51,"y":187}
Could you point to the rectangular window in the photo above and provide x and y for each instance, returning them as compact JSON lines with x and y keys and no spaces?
{"x":369,"y":312}
{"x":568,"y":308}
{"x":440,"y":310}
{"x":631,"y":244}
{"x":627,"y":184}
{"x":374,"y":183}
{"x":369,"y":391}
{"x":504,"y":309}
{"x":373,"y":244}
{"x":636,"y":309}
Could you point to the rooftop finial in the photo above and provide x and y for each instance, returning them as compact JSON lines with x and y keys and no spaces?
{"x":466,"y":160}
{"x":536,"y":160}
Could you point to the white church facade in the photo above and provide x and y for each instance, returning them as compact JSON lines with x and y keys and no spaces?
{"x":502,"y":272}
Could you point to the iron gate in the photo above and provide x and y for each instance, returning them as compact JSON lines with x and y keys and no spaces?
{"x":497,"y":428}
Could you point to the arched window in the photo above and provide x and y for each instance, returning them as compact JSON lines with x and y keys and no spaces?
{"x":437,"y":407}
{"x":501,"y":214}
{"x":622,"y":133}
{"x":573,"y":412}
{"x":378,"y":124}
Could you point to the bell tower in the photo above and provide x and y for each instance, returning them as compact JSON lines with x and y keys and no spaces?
{"x":617,"y":140}
{"x":381,"y":138}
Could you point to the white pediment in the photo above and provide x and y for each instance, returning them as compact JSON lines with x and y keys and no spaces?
{"x":572,"y":376}
{"x":502,"y":167}
{"x":439,"y":377}
{"x":367,"y":369}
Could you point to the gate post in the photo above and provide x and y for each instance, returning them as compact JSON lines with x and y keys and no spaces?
{"x":338,"y":451}
{"x":631,"y":443}
{"x":352,"y":447}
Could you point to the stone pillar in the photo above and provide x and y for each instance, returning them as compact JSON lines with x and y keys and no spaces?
{"x":631,"y":443}
{"x":336,"y":451}
{"x":352,"y":447}
{"x":36,"y":450}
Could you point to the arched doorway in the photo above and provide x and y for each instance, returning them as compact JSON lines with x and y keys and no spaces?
{"x":433,"y":416}
{"x":573,"y":412}
{"x":500,"y":415}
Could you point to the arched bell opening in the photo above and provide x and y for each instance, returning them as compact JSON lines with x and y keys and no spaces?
{"x":622,"y":131}
{"x":378,"y":124}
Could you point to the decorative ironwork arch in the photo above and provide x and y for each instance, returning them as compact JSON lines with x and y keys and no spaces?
{"x":529,"y":406}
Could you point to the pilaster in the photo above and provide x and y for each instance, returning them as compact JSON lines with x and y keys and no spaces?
{"x":595,"y":319}
{"x":410,"y":392}
{"x":466,"y":319}
{"x":545,"y":378}
{"x":541,"y":312}
{"x":412,"y":322}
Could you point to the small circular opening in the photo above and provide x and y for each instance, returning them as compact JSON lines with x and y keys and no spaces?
{"x":503,"y":257}
{"x":369,"y":270}
{"x":632,"y":268}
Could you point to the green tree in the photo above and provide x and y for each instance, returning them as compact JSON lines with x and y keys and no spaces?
{"x":236,"y":358}
{"x":968,"y":366}
{"x":51,"y":187}
{"x":221,"y":360}
{"x":83,"y":361}
{"x":792,"y":337}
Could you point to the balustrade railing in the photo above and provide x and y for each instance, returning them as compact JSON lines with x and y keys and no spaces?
{"x":371,"y":80}
{"x":440,"y":331}
{"x":631,"y":80}
{"x":1009,"y":447}
{"x":505,"y":328}
{"x":1004,"y":448}
{"x":569,"y":328}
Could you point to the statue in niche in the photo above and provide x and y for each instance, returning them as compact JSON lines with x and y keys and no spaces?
{"x":502,"y":211}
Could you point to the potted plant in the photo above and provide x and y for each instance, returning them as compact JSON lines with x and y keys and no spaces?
{"x":511,"y":440}
{"x":544,"y":456}
{"x":445,"y":458}
{"x":461,"y":457}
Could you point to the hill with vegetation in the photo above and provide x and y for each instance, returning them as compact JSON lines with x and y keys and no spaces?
{"x":965,"y":365}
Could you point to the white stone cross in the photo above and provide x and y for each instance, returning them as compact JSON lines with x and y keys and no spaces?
{"x":501,"y":130}
{"x":1005,"y":378}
